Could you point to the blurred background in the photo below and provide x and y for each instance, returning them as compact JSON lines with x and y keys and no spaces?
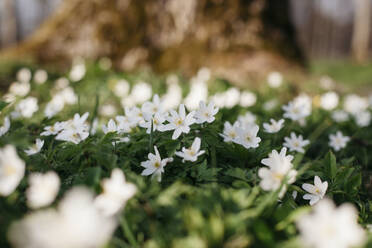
{"x":236,"y":38}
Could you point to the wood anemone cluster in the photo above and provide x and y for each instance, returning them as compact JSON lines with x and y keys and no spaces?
{"x":235,"y":38}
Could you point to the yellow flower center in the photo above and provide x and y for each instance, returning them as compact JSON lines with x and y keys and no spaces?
{"x":157,"y":164}
{"x":179,"y":122}
{"x":10,"y":170}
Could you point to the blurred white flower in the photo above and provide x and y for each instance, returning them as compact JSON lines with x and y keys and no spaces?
{"x":247,"y":99}
{"x":76,"y":223}
{"x":198,"y":92}
{"x":173,"y":96}
{"x":229,"y":132}
{"x":26,"y":108}
{"x":280,"y":168}
{"x":275,"y":79}
{"x":78,"y":71}
{"x":75,"y":130}
{"x":19,"y":88}
{"x":316,"y":191}
{"x":5,"y":127}
{"x":331,"y":227}
{"x":232,"y":97}
{"x":135,"y":115}
{"x":270,"y":105}
{"x":155,"y":165}
{"x":192,"y":153}
{"x":121,"y":88}
{"x":12,"y":170}
{"x":141,"y":92}
{"x":124,"y":125}
{"x":54,"y":129}
{"x":247,"y":136}
{"x":40,"y":76}
{"x":110,"y":128}
{"x":247,"y":120}
{"x":298,"y":109}
{"x":35,"y":148}
{"x":43,"y":189}
{"x":24,"y":75}
{"x":55,"y":106}
{"x":107,"y":110}
{"x":295,"y":143}
{"x":340,"y":116}
{"x":363,"y":118}
{"x":152,"y":107}
{"x":338,"y":141}
{"x":68,"y":95}
{"x":205,"y":113}
{"x":354,"y":103}
{"x":61,"y":83}
{"x":116,"y":192}
{"x":329,"y":100}
{"x":179,"y":122}
{"x":327,"y":83}
{"x":155,"y":121}
{"x":274,"y":126}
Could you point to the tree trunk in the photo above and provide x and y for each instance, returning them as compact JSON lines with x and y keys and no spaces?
{"x":361,"y":32}
{"x":8,"y":23}
{"x":235,"y":38}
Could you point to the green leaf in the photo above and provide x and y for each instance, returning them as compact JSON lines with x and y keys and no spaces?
{"x":331,"y":165}
{"x":3,"y":105}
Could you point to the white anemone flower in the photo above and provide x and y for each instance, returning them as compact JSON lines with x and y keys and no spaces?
{"x":152,"y":107}
{"x":298,"y":109}
{"x":363,"y":118}
{"x":36,"y":148}
{"x":123,"y":124}
{"x":54,"y":129}
{"x":338,"y":141}
{"x":331,"y":227}
{"x":329,"y":100}
{"x":316,"y":191}
{"x":75,"y":223}
{"x":192,"y":153}
{"x":205,"y":113}
{"x":275,"y":79}
{"x":246,"y":120}
{"x":280,"y":168}
{"x":110,"y":128}
{"x":116,"y":192}
{"x":354,"y":103}
{"x":229,"y":132}
{"x":155,"y":121}
{"x":141,"y":92}
{"x":154,"y":165}
{"x":247,"y":137}
{"x":296,"y":143}
{"x":12,"y":170}
{"x":340,"y":116}
{"x":75,"y":130}
{"x":274,"y":126}
{"x":19,"y":88}
{"x":40,"y":76}
{"x":24,"y":75}
{"x":43,"y":189}
{"x":179,"y":122}
{"x":26,"y":107}
{"x":121,"y":88}
{"x":247,"y":99}
{"x":5,"y":127}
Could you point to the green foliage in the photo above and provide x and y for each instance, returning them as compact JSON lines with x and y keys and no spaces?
{"x":213,"y":202}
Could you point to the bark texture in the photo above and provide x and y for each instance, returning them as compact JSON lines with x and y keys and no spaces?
{"x":235,"y":38}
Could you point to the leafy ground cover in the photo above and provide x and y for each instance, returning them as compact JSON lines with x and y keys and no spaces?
{"x":96,"y":158}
